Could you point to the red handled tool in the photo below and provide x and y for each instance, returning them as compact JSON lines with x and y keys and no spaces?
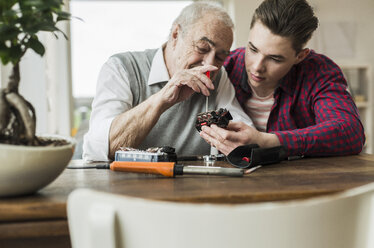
{"x":207,"y":98}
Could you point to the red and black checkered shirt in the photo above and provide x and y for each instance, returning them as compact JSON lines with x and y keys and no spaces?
{"x":313,"y":113}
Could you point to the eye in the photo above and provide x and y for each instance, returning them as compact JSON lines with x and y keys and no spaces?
{"x":220,"y":58}
{"x":276,"y":60}
{"x":253,"y":49}
{"x":202,"y":50}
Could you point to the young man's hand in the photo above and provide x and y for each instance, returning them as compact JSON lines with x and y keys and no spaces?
{"x":236,"y":134}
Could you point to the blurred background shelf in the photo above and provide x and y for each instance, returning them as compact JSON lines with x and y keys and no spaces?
{"x":361,"y":87}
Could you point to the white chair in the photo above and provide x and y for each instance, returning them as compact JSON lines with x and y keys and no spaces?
{"x":105,"y":220}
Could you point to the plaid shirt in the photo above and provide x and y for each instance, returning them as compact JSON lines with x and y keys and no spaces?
{"x":313,"y":113}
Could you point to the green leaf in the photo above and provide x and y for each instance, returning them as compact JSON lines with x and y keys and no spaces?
{"x":8,"y":32}
{"x":27,"y":17}
{"x":36,"y":45}
{"x":63,"y":16}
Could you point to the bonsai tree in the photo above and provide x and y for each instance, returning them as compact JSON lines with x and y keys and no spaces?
{"x":20,"y":21}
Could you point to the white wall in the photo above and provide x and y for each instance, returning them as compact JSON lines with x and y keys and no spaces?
{"x":359,"y":12}
{"x":241,"y":12}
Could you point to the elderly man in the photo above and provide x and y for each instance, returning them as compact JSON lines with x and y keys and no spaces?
{"x":151,"y":98}
{"x":296,"y":97}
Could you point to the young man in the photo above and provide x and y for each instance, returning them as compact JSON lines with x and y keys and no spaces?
{"x":296,"y":97}
{"x":150,"y":98}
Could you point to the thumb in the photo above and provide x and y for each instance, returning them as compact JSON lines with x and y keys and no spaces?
{"x":235,"y":126}
{"x":206,"y":68}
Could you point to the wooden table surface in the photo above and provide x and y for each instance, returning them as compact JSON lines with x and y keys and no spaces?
{"x":44,"y":213}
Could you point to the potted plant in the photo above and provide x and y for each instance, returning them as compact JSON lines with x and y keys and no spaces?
{"x":22,"y":153}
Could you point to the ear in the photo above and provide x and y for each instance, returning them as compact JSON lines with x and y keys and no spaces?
{"x":302,"y":55}
{"x":175,"y":33}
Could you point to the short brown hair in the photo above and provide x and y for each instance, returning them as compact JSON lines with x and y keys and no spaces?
{"x":288,"y":18}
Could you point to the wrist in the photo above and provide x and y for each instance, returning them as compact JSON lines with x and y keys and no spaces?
{"x":268,"y":140}
{"x":158,"y":103}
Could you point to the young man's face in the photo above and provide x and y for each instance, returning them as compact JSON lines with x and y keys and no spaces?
{"x":268,"y":57}
{"x":207,"y":42}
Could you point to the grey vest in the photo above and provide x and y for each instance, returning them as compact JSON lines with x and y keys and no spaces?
{"x":176,"y":126}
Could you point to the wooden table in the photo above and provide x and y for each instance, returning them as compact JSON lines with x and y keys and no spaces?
{"x":40,"y":220}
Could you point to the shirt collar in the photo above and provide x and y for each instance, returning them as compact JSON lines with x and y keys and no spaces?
{"x":287,"y":83}
{"x":244,"y":82}
{"x":158,"y":73}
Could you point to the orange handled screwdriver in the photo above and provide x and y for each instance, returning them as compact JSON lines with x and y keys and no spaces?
{"x":171,"y":169}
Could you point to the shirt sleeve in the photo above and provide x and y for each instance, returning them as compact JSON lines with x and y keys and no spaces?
{"x":113,"y":97}
{"x":338,"y":129}
{"x":226,"y":99}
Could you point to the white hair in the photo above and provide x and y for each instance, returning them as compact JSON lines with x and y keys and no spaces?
{"x":196,"y":11}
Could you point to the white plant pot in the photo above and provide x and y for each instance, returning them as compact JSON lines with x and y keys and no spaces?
{"x":27,"y":169}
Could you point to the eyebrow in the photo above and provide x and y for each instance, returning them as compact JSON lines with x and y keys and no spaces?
{"x":204,"y":38}
{"x":270,"y":55}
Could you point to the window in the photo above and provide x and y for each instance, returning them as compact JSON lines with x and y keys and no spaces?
{"x":110,"y":27}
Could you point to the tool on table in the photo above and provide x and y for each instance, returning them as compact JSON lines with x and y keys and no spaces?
{"x":162,"y":154}
{"x":249,"y":156}
{"x":171,"y":169}
{"x":207,"y":98}
{"x":249,"y":171}
{"x":152,"y":154}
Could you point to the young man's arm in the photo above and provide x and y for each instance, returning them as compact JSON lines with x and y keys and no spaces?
{"x":338,"y":129}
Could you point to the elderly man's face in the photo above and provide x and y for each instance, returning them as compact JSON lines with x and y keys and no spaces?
{"x":207,"y":42}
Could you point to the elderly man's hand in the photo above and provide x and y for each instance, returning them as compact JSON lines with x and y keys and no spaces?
{"x":236,"y":134}
{"x":186,"y":82}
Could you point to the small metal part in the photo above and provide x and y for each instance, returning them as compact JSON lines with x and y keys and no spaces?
{"x":206,"y":103}
{"x":203,"y":170}
{"x":290,"y":158}
{"x":152,"y":154}
{"x":209,"y":160}
{"x":252,"y":169}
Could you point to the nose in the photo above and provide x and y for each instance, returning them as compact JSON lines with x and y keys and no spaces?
{"x":209,"y":59}
{"x":258,"y":64}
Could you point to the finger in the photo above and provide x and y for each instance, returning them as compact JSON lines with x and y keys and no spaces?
{"x":204,"y":79}
{"x":209,"y":139}
{"x":198,"y":86}
{"x":225,"y":147}
{"x":235,"y":126}
{"x":221,"y":132}
{"x":187,"y":78}
{"x":206,"y":137}
{"x":227,"y":135}
{"x":194,"y":83}
{"x":204,"y":68}
{"x":215,"y":138}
